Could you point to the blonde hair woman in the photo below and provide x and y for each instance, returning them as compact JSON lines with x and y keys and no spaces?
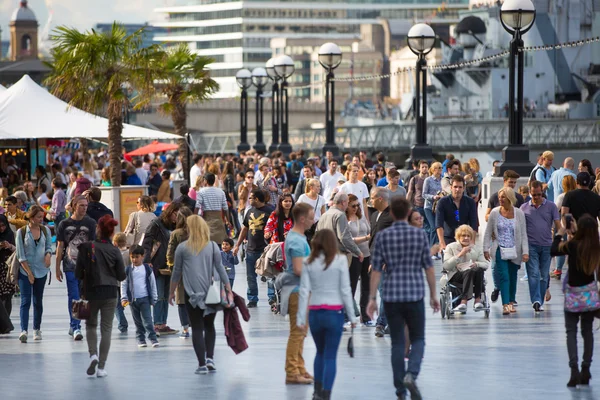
{"x":197,"y":261}
{"x":199,"y":184}
{"x":505,"y":241}
{"x":312,"y":197}
{"x":465,"y":264}
{"x":140,"y":220}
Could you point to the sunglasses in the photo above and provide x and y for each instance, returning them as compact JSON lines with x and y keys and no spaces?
{"x":354,"y":205}
{"x":250,"y":177}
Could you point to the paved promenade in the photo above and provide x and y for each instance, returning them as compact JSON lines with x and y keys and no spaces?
{"x":522,"y":356}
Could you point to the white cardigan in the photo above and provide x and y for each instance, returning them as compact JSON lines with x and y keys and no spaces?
{"x":491,"y":231}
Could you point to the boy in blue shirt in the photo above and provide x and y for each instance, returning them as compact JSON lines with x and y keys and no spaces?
{"x":139,"y":290}
{"x":229,"y":260}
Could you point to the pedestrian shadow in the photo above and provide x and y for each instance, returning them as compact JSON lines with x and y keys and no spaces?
{"x":582,"y":393}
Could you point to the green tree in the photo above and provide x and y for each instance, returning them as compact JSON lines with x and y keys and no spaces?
{"x":95,"y":72}
{"x":183,"y":78}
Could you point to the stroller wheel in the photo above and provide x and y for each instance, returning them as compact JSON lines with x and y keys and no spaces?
{"x":443,"y":305}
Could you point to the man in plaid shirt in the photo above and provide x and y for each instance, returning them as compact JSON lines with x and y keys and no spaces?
{"x":402,"y":252}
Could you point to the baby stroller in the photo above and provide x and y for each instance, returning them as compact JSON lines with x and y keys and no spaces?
{"x":450,"y":294}
{"x":270,"y":264}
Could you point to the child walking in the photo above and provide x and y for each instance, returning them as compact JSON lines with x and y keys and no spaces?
{"x":139,"y":290}
{"x":120,"y":242}
{"x":228,"y":259}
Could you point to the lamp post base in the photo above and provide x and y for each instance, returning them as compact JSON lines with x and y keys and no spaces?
{"x":243,"y":147}
{"x":515,"y":157}
{"x":260,"y":148}
{"x":419,"y":152}
{"x":273,"y":148}
{"x":333,"y":148}
{"x":285,"y":148}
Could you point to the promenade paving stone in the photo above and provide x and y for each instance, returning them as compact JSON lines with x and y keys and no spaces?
{"x":522,"y":356}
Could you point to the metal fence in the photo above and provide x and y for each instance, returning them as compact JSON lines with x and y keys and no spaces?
{"x":442,"y":135}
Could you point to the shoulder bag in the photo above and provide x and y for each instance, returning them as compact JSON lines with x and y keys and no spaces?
{"x":213,"y":294}
{"x":581,"y":298}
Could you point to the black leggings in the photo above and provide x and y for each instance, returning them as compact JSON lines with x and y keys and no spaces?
{"x":203,"y":332}
{"x":571,"y":322}
{"x":361,"y":270}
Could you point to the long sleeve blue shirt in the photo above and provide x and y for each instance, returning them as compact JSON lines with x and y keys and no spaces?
{"x":33,"y":253}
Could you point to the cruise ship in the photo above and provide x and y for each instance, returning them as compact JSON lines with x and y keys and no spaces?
{"x":237,"y":34}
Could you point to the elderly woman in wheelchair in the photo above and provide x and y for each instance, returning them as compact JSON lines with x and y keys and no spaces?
{"x":463,"y":273}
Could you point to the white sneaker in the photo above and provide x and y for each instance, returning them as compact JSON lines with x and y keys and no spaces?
{"x":541,"y":308}
{"x":524,"y":279}
{"x":37,"y":334}
{"x":77,"y":335}
{"x":93,"y":364}
{"x":478,"y":306}
{"x":23,"y":337}
{"x":460,"y":308}
{"x":101,"y":373}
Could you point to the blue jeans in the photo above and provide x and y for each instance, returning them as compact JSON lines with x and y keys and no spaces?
{"x":161,"y":308}
{"x":142,"y":317}
{"x":252,"y":292}
{"x":495,"y":277}
{"x":381,"y":319}
{"x":183,"y":316}
{"x":72,"y":294}
{"x":560,"y":260}
{"x":27,"y":290}
{"x":430,"y":218}
{"x":538,"y":271}
{"x":326,"y":327}
{"x":413,"y":315}
{"x":58,"y":219}
{"x":507,"y":278}
{"x":120,"y":315}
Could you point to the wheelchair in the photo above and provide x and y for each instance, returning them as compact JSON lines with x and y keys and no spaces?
{"x":450,"y":294}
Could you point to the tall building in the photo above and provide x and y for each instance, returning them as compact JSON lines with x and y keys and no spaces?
{"x":147,"y":38}
{"x":237,"y":34}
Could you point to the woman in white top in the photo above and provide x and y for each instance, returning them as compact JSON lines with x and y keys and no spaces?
{"x":140,"y":220}
{"x":326,"y":282}
{"x":313,"y":198}
{"x":505,"y":241}
{"x":360,"y":230}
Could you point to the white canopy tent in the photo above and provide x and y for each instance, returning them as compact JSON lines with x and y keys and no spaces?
{"x":28,"y":111}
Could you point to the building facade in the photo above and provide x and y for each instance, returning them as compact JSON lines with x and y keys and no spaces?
{"x":238,"y":34}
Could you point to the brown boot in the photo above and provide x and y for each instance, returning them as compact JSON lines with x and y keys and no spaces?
{"x":297,"y":380}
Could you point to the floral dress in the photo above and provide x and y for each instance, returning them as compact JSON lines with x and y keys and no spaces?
{"x":271,"y":227}
{"x":6,"y":288}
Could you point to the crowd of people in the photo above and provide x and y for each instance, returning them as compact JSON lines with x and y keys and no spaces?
{"x":335,"y":224}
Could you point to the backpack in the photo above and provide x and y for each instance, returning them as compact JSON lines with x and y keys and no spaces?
{"x":535,"y":170}
{"x":295,"y":171}
{"x":13,"y":263}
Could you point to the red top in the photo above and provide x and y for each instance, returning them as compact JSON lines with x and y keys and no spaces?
{"x":271,"y":227}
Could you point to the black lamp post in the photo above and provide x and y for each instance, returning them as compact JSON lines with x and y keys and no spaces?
{"x":517,"y":18}
{"x":284,"y":68}
{"x":244,"y":81}
{"x":259,"y":79}
{"x":421,"y":39}
{"x":270,"y":67}
{"x":330,"y":57}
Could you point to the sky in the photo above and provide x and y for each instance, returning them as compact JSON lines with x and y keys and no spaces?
{"x":84,"y":14}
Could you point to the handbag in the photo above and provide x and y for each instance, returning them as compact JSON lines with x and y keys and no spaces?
{"x":213,"y":294}
{"x":351,"y":344}
{"x":508,"y":253}
{"x":581,"y":298}
{"x":81,"y":308}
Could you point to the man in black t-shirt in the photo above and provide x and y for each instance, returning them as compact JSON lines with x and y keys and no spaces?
{"x":581,"y":200}
{"x":254,"y":229}
{"x":510,"y":180}
{"x":72,"y":232}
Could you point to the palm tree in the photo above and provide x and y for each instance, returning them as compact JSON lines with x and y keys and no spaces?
{"x":94,"y":71}
{"x":183,"y":78}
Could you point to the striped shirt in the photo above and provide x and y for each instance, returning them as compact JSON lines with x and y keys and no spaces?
{"x":211,"y":199}
{"x":404,"y":250}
